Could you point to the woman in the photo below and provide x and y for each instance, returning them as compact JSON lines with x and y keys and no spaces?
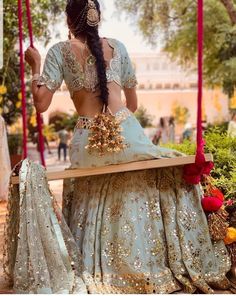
{"x":161,"y":135}
{"x":137,"y":232}
{"x":171,"y":130}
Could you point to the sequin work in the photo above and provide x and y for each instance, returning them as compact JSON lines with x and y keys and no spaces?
{"x":132,"y":232}
{"x":61,"y":63}
{"x":134,"y":238}
{"x":124,"y":236}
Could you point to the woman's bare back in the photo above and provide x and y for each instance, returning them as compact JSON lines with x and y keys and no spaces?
{"x":88,"y":103}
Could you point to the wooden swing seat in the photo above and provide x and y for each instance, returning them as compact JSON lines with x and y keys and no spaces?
{"x":119,"y":168}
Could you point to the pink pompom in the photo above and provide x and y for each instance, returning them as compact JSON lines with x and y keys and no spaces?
{"x":211,"y":203}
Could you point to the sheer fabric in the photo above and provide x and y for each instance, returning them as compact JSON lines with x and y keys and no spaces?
{"x":41,"y":255}
{"x":5,"y":165}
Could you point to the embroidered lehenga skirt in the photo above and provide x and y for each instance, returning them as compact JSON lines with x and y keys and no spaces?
{"x":139,"y":232}
{"x":132,"y":232}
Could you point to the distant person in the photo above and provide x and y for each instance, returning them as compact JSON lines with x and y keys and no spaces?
{"x":171,"y":132}
{"x":63,"y":143}
{"x":188,"y":131}
{"x":161,"y":135}
{"x":232,"y":126}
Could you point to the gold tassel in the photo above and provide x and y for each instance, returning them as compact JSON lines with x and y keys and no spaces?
{"x":218,"y":224}
{"x":232,"y":251}
{"x":105,"y":135}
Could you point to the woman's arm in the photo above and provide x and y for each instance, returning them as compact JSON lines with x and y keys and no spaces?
{"x":42,"y":95}
{"x":131,"y":99}
{"x":128,"y":79}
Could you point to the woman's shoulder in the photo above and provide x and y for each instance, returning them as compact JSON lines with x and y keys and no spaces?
{"x":116,"y":43}
{"x":56,"y":47}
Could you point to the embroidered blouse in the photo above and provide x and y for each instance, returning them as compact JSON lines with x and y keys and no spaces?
{"x":62,"y":64}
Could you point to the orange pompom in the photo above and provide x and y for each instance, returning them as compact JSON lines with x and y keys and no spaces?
{"x":211,"y":203}
{"x":230,"y":236}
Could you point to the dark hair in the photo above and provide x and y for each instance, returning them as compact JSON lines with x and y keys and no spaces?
{"x":162,"y":122}
{"x":76,"y":11}
{"x":171,"y":120}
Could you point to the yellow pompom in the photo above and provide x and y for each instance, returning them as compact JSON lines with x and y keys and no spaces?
{"x":18,"y":104}
{"x":20,"y":95}
{"x":3,"y":89}
{"x":230,"y":236}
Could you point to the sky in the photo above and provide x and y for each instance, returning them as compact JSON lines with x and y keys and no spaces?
{"x":121,"y":29}
{"x":114,"y":26}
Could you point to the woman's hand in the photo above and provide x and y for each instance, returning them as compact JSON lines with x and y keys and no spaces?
{"x":33,"y":58}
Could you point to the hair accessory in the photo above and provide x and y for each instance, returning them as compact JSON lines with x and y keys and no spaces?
{"x":92,"y":14}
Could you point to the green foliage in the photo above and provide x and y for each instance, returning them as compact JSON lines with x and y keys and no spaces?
{"x":175,"y":21}
{"x":69,"y":122}
{"x":186,"y":147}
{"x":56,"y":119}
{"x":143,"y":117}
{"x":14,"y":144}
{"x":43,"y":13}
{"x":223,"y":149}
{"x":49,"y":132}
{"x":61,"y":120}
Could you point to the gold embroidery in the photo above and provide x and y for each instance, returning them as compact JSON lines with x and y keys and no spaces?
{"x":116,"y":252}
{"x":114,"y":212}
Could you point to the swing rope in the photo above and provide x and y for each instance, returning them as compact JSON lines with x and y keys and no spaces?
{"x":22,"y":71}
{"x":194,"y":172}
{"x":200,"y":142}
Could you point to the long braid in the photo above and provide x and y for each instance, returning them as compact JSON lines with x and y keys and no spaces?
{"x":95,"y":47}
{"x":77,"y":21}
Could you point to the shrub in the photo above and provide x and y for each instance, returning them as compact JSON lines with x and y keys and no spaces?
{"x":15,"y":143}
{"x":143,"y":117}
{"x":223,"y":149}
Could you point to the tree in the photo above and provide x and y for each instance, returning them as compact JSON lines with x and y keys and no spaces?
{"x":43,"y":13}
{"x":143,"y":117}
{"x":175,"y":22}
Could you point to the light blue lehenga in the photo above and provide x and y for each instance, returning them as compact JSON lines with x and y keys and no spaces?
{"x":132,"y":232}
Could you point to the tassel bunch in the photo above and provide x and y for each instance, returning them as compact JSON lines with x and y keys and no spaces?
{"x":218,"y":224}
{"x":105,"y":135}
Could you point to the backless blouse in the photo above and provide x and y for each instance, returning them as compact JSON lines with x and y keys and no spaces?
{"x":62,"y":64}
